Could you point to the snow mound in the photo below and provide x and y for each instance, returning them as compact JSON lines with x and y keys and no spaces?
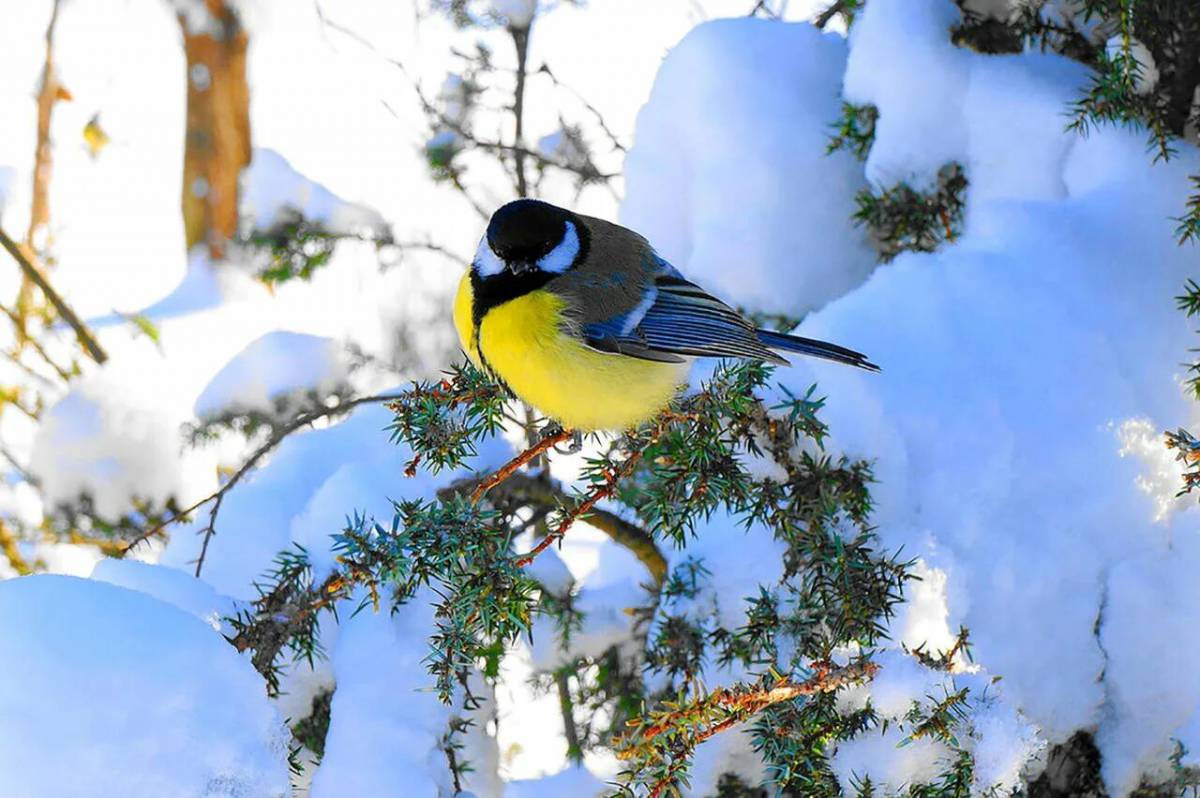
{"x":1015,"y":361}
{"x":107,"y":691}
{"x":890,"y":764}
{"x":274,"y":193}
{"x":272,"y":368}
{"x":750,"y":207}
{"x":383,"y":696}
{"x":113,"y":445}
{"x":171,"y":585}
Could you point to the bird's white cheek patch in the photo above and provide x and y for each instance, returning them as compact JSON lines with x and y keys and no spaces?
{"x":562,"y":257}
{"x":487,"y":263}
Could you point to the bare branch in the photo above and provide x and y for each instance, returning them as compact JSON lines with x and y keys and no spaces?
{"x":520,"y":37}
{"x":37,"y":346}
{"x":612,"y":137}
{"x":28,"y":263}
{"x":8,"y":546}
{"x":301,"y":420}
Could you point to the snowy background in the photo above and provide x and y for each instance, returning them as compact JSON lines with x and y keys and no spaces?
{"x":1029,"y":369}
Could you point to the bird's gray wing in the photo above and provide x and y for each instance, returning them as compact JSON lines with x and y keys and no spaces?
{"x":678,"y":319}
{"x":625,"y":299}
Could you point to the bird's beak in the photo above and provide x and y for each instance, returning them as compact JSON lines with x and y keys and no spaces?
{"x":519,"y":267}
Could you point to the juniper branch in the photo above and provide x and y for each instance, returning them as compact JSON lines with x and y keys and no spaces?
{"x":668,"y":738}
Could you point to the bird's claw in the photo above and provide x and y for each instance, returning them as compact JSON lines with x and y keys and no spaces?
{"x":575,"y":446}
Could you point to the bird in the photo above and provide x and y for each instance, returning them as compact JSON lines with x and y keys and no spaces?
{"x":582,"y":319}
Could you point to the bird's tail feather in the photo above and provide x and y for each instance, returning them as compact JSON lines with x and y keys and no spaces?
{"x":815,"y":348}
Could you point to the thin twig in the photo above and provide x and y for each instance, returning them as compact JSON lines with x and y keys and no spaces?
{"x":27,"y":262}
{"x":612,"y":137}
{"x":567,"y":709}
{"x":828,"y":14}
{"x":29,"y":371}
{"x":430,"y":246}
{"x":25,"y":473}
{"x":37,"y":345}
{"x":302,"y":420}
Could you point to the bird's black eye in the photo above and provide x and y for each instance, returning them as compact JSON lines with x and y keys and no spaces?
{"x":526,"y":230}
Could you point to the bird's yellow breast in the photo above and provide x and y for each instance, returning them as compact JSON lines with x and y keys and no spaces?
{"x":524,"y":343}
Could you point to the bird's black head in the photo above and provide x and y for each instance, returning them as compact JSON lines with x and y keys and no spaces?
{"x":528,"y":236}
{"x":526,"y":229}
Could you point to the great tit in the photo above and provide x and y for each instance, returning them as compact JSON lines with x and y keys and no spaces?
{"x":582,"y":319}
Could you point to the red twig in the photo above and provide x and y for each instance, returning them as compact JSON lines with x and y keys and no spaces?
{"x":741,"y":705}
{"x":510,"y":468}
{"x":611,"y":478}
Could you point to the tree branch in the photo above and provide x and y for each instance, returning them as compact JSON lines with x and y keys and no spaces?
{"x":544,"y":69}
{"x":8,"y":545}
{"x":520,"y":37}
{"x":49,"y":92}
{"x":28,"y":263}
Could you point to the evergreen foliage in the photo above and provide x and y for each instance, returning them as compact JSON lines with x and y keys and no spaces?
{"x":837,"y":591}
{"x":801,"y":639}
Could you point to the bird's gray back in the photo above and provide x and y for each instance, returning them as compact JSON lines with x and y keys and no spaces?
{"x":617,"y":271}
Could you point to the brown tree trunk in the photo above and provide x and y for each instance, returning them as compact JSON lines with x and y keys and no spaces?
{"x":217,"y":143}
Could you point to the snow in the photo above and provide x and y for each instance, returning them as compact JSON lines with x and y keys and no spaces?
{"x":574,"y":781}
{"x":1020,"y":363}
{"x":110,"y":692}
{"x":1145,"y":72}
{"x":516,"y":13}
{"x":113,"y":446}
{"x":382,"y":696}
{"x":274,"y":193}
{"x":732,"y":752}
{"x":273,"y":368}
{"x":170,"y":585}
{"x":920,"y":122}
{"x":793,"y":249}
{"x":903,"y":681}
{"x":1029,"y":366}
{"x":1005,"y":745}
{"x":891,"y":766}
{"x":606,"y":622}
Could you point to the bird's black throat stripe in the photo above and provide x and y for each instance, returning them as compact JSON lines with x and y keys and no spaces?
{"x":497,"y":289}
{"x":492,"y":292}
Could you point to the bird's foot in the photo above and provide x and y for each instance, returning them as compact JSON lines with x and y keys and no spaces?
{"x":574,"y":446}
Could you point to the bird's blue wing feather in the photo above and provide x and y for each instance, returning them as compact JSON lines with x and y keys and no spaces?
{"x":678,"y":319}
